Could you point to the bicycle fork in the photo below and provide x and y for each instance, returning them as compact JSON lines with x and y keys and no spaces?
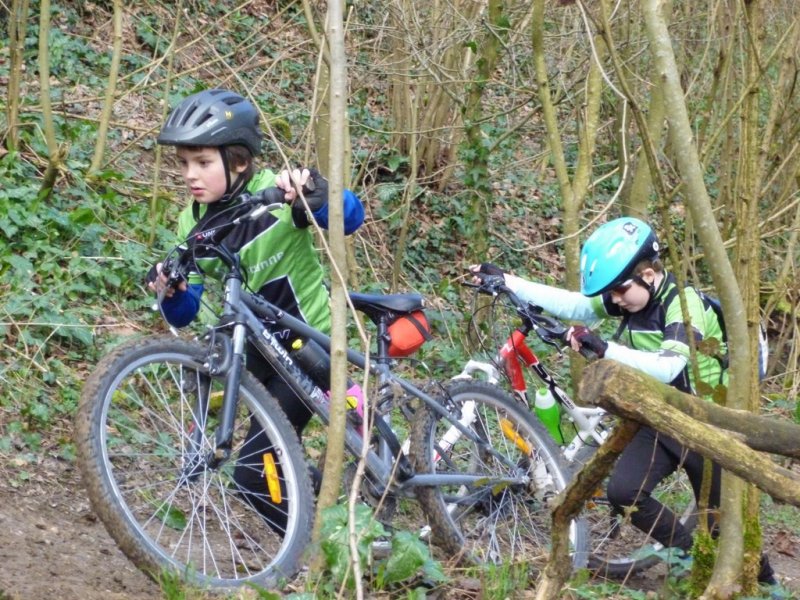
{"x":228,"y":362}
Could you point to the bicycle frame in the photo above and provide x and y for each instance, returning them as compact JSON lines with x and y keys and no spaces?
{"x":511,"y":357}
{"x":245,"y":312}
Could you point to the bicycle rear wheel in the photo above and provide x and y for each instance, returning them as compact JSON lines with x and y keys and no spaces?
{"x":145,"y":438}
{"x":487,"y":522}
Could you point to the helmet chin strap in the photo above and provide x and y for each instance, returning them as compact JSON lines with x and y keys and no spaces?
{"x":231,"y":189}
{"x":650,"y":287}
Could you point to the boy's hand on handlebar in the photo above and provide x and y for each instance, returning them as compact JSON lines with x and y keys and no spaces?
{"x":160,"y":283}
{"x":581,"y":339}
{"x":310,"y":182}
{"x":291,"y":181}
{"x":481,"y":271}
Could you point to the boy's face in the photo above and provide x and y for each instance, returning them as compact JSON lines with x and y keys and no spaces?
{"x":632,"y":296}
{"x":204,"y":173}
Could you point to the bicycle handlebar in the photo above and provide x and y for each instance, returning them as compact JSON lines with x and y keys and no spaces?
{"x":252,"y":205}
{"x":549,"y":329}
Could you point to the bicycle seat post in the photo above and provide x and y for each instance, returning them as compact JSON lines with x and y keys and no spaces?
{"x":384,"y":386}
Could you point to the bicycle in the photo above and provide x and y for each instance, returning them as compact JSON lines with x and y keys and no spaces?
{"x":162,"y":424}
{"x":617,"y":548}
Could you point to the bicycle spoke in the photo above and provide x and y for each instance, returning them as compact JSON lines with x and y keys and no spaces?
{"x":150,"y":441}
{"x":504,"y":516}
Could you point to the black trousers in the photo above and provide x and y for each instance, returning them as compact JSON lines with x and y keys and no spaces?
{"x":649,"y":459}
{"x":249,"y":471}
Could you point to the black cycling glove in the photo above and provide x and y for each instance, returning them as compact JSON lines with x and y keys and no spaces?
{"x":589,"y":340}
{"x":152,"y":275}
{"x":315,"y":191}
{"x":491,"y":269}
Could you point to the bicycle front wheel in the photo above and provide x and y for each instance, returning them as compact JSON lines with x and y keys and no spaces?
{"x":145,"y":439}
{"x":486,"y":521}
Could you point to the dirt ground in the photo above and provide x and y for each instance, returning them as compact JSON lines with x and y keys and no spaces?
{"x":52,"y":546}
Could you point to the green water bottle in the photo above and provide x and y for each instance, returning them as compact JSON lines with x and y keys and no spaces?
{"x":548,"y":412}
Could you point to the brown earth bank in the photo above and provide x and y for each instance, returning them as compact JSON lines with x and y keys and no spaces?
{"x":52,"y":546}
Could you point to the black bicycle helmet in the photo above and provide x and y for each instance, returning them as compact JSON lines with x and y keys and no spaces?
{"x":213,"y":118}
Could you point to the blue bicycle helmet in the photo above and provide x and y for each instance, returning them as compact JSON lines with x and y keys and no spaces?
{"x":612,"y":252}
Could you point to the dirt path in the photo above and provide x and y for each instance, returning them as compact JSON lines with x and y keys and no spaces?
{"x":52,"y":546}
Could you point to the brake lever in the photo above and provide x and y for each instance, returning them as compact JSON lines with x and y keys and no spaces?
{"x":552,"y":338}
{"x":491,"y":284}
{"x":550,"y":330}
{"x":488,"y":285}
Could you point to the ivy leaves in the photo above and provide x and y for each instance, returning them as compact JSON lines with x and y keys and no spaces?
{"x":409,"y":560}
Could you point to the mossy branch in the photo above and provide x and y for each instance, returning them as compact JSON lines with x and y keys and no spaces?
{"x":731,"y":438}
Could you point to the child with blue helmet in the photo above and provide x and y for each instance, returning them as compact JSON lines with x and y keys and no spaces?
{"x":622,"y":276}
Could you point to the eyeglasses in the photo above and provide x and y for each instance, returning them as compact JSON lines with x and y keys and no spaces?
{"x":622,"y":287}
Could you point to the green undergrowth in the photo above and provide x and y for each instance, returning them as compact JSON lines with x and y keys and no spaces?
{"x":72,"y":262}
{"x":71,"y":277}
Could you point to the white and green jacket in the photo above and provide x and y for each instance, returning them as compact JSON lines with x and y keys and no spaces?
{"x":655,"y":338}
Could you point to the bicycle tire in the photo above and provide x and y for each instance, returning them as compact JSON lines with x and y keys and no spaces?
{"x":484,"y":523}
{"x":617,"y":548}
{"x":140,"y":427}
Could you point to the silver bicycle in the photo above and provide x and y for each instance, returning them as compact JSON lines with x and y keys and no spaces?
{"x":165,"y":425}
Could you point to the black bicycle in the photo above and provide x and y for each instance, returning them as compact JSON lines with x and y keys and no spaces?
{"x":162,"y":425}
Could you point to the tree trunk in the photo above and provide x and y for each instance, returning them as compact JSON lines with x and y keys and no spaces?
{"x":477,"y":156}
{"x":690,"y":168}
{"x":748,"y":275}
{"x":108,"y":105}
{"x":17,"y":29}
{"x":574,"y":191}
{"x":409,"y":196}
{"x":55,"y":155}
{"x":334,"y":455}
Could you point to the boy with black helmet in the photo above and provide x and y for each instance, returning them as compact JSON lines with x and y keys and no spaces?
{"x":217,"y":137}
{"x":215,"y":119}
{"x":622,"y":276}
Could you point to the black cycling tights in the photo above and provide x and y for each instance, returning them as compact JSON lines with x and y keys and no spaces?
{"x":649,"y":459}
{"x":249,"y":471}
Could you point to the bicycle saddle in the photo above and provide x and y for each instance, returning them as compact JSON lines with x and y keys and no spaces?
{"x":376,"y":304}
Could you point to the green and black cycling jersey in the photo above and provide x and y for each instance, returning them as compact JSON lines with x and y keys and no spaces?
{"x":656,"y":339}
{"x":660,"y":327}
{"x":277,"y":252}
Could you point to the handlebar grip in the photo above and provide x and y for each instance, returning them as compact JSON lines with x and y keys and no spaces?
{"x":271,"y":195}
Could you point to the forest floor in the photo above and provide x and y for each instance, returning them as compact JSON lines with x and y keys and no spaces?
{"x":53,"y":546}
